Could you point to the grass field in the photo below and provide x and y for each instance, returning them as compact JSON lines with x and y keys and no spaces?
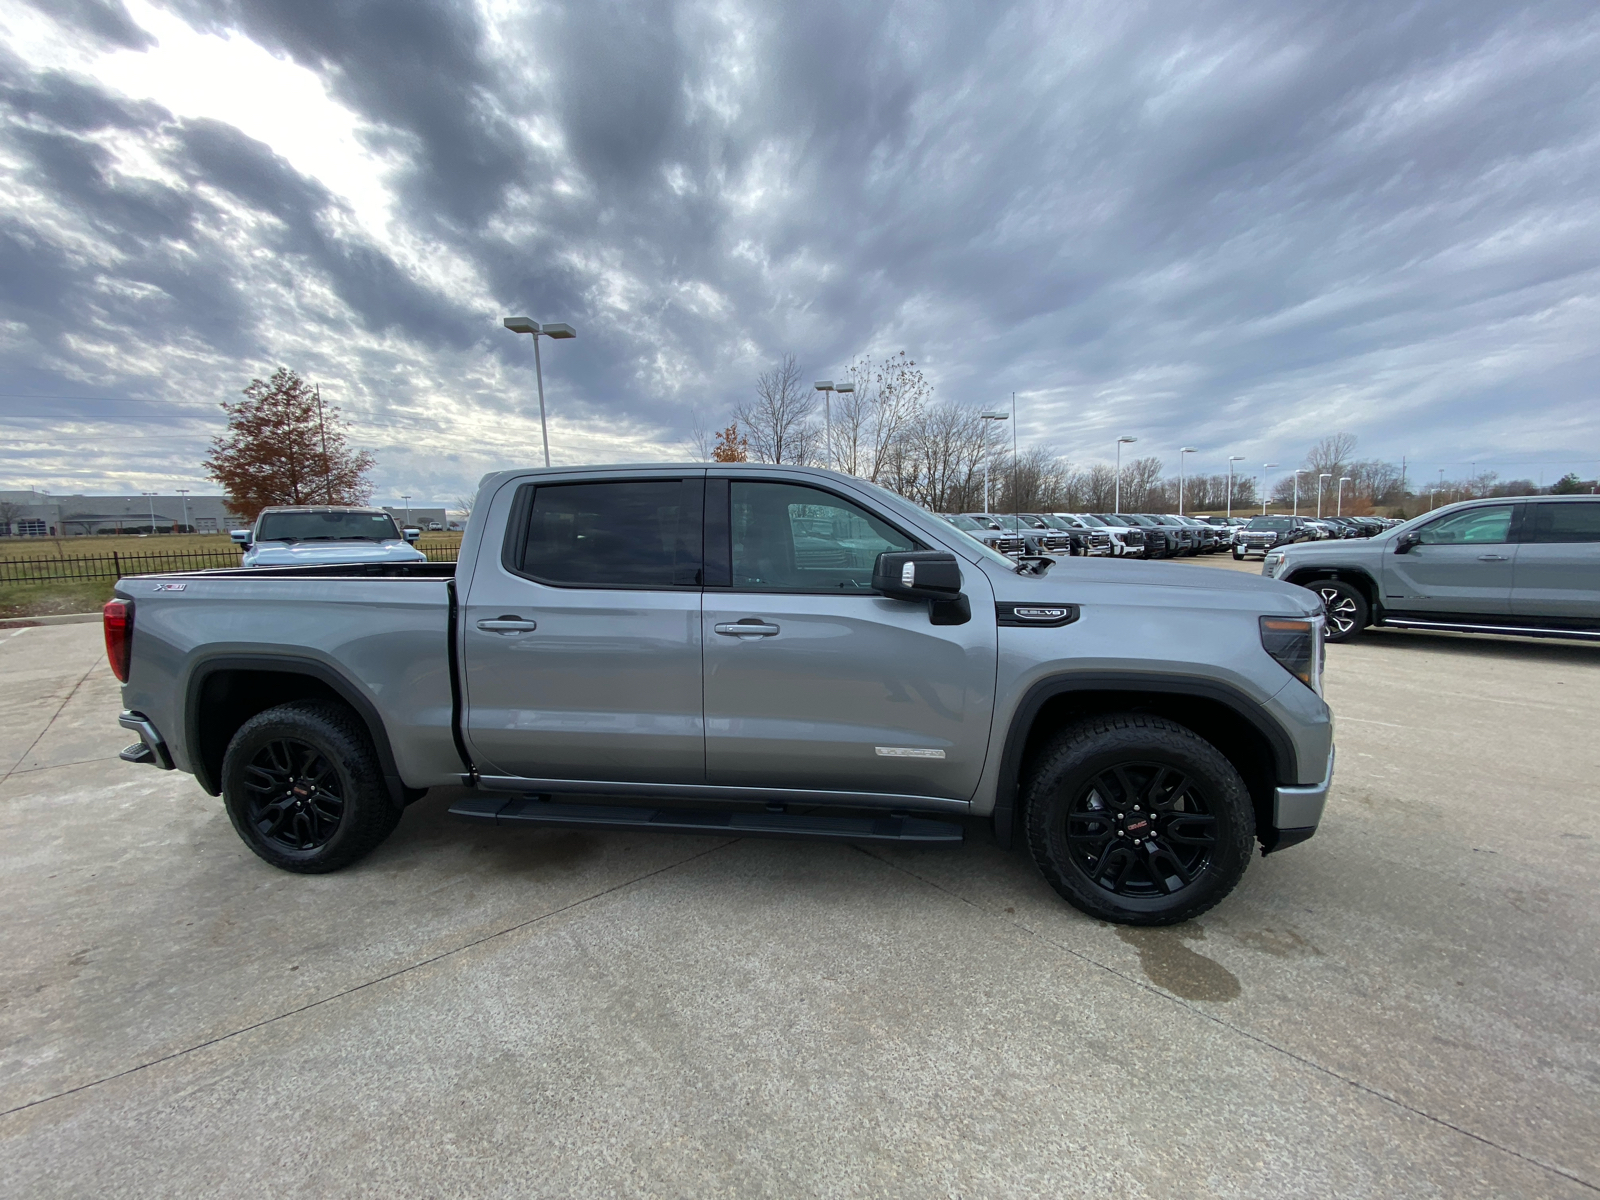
{"x":85,"y":595}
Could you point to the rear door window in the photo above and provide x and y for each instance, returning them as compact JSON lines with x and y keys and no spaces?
{"x":1578,"y":522}
{"x":633,"y":533}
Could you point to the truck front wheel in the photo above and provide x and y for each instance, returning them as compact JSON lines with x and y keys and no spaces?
{"x":303,"y":787}
{"x":1137,"y":820}
{"x":1345,"y":605}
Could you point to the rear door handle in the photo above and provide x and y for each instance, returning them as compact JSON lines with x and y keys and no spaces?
{"x":1493,"y":558}
{"x":510,"y":623}
{"x":745,"y":629}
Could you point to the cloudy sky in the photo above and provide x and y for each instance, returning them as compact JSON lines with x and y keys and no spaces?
{"x":1231,"y":225}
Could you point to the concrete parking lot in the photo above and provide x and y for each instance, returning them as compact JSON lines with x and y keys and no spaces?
{"x":1404,"y":1006}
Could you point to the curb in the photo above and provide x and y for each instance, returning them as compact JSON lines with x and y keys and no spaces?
{"x":58,"y":619}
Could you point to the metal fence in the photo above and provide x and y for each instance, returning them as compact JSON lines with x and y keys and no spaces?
{"x":116,"y":564}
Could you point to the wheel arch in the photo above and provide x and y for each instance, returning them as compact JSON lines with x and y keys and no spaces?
{"x":226,"y":691}
{"x":1259,"y":749}
{"x":1356,"y":577}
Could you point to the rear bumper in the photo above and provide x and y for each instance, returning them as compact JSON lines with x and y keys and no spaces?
{"x":1297,"y":811}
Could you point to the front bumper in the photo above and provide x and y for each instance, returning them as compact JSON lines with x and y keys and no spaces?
{"x":1297,"y":811}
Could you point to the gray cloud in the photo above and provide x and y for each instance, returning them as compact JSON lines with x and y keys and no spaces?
{"x":1232,"y":225}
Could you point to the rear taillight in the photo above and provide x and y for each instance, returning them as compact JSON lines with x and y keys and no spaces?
{"x":117,"y":617}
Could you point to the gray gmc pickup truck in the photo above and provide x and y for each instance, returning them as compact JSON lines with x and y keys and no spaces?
{"x":746,"y":650}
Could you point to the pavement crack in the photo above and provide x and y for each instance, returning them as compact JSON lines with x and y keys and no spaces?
{"x":1240,"y":1031}
{"x":377,"y":979}
{"x":23,"y":757}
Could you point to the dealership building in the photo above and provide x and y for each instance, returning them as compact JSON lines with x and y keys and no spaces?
{"x":39,"y":514}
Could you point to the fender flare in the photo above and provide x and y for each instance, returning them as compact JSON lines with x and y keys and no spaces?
{"x":286,"y":664}
{"x":1007,"y":787}
{"x":1363,"y":578}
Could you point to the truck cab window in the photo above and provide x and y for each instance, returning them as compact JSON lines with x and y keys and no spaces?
{"x":792,"y":538}
{"x":1477,"y":526}
{"x":618,"y":533}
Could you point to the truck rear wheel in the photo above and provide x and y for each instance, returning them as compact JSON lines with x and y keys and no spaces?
{"x":1137,"y":820}
{"x":303,"y":787}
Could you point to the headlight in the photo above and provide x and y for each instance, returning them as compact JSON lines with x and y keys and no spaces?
{"x":1295,"y":642}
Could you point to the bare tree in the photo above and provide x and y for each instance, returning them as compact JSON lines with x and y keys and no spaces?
{"x":10,"y":511}
{"x":889,"y":398}
{"x":777,"y":422}
{"x":699,"y":441}
{"x":1138,"y":477}
{"x":1331,"y":455}
{"x":1099,"y":487}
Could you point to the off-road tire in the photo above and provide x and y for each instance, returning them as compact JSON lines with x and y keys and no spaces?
{"x":339,"y":750}
{"x":1070,"y":767}
{"x":1346,"y":608}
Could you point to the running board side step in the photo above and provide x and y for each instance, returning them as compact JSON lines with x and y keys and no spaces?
{"x":530,"y":810}
{"x":1528,"y":631}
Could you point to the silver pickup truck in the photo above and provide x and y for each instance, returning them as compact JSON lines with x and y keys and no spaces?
{"x":745,"y":651}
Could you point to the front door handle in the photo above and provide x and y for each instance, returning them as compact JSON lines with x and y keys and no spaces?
{"x":746,"y":628}
{"x":1493,"y":558}
{"x":508,"y":623}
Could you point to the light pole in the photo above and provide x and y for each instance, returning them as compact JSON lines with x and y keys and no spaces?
{"x":989,"y":416}
{"x":407,"y":499}
{"x":1343,"y":479}
{"x":1184,"y":450}
{"x":825,"y":386}
{"x":151,"y":496}
{"x":1320,"y":478}
{"x":184,"y":492}
{"x":524,"y":325}
{"x":1232,"y":458}
{"x":1264,"y":468}
{"x":1297,"y":475}
{"x":843,"y":389}
{"x":1118,"y":506}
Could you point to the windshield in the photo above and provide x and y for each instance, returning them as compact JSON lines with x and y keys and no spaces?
{"x":965,"y":524}
{"x":1053,"y":522}
{"x":1276,"y":524}
{"x":326,"y":527}
{"x":1114,"y":519}
{"x":1090,"y":520}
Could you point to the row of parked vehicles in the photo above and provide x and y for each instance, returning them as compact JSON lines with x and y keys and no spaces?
{"x":1152,"y":535}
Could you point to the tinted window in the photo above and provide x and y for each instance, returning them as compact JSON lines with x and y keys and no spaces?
{"x":629,"y":533}
{"x":1277,"y":524}
{"x":791,"y":538}
{"x":326,"y":527}
{"x":1567,"y":522}
{"x":1474,"y":526}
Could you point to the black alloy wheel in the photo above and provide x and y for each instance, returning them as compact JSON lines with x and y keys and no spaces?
{"x":295,"y":799}
{"x":304,"y":789}
{"x":1345,"y":606}
{"x":1141,"y":829}
{"x":1136,"y":819}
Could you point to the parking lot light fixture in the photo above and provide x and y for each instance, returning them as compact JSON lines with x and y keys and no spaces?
{"x":833,"y":457}
{"x":1297,"y":475}
{"x":1320,"y":478}
{"x":1343,"y":479}
{"x":549,"y":329}
{"x":1232,"y":458}
{"x":825,"y":386}
{"x":989,"y":416}
{"x":1265,"y":467}
{"x":1181,"y":452}
{"x":1118,"y":506}
{"x":151,"y":496}
{"x":184,"y":492}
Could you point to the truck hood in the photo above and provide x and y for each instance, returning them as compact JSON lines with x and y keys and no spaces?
{"x":290,"y":554}
{"x":1098,"y":580}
